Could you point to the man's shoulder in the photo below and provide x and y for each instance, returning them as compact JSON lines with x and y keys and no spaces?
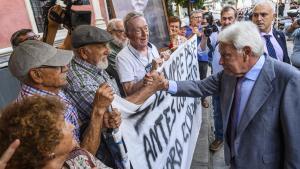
{"x":278,"y":34}
{"x":80,"y":79}
{"x":125,"y":53}
{"x":282,"y":70}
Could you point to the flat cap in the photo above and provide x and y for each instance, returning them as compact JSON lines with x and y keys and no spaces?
{"x":32,"y":54}
{"x":87,"y":34}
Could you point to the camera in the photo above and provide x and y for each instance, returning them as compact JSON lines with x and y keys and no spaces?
{"x":294,"y":13}
{"x":211,"y":27}
{"x":72,"y":16}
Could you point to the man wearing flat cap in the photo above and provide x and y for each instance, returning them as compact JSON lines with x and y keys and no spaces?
{"x":87,"y":73}
{"x":42,"y":70}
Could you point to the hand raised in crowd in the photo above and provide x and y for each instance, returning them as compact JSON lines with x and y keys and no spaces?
{"x":196,"y":31}
{"x":167,"y":53}
{"x":104,"y":96}
{"x":55,"y":15}
{"x":6,"y":156}
{"x":112,"y":119}
{"x":295,"y":24}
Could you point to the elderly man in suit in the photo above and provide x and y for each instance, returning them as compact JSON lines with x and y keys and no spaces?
{"x":274,"y":40}
{"x":259,"y":101}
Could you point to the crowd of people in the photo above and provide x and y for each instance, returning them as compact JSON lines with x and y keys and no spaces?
{"x":63,"y":117}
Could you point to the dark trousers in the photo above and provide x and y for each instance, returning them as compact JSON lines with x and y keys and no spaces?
{"x":203,"y":71}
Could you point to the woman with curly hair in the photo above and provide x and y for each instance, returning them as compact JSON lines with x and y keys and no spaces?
{"x":46,"y":139}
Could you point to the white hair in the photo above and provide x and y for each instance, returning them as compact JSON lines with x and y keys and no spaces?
{"x":242,"y":34}
{"x":112,"y":24}
{"x":265,"y":2}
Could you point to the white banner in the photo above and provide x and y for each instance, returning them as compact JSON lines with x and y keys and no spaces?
{"x":163,"y":132}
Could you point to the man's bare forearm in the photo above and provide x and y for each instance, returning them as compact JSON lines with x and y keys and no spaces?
{"x":141,"y":95}
{"x":92,"y":135}
{"x":131,"y":87}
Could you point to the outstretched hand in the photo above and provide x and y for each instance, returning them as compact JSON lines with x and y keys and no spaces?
{"x":6,"y":156}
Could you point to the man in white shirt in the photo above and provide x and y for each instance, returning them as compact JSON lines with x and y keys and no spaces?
{"x":134,"y":61}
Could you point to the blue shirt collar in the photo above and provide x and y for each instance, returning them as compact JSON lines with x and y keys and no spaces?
{"x":253,"y":73}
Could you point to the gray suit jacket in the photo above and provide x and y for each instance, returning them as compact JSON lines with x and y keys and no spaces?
{"x":268,"y":135}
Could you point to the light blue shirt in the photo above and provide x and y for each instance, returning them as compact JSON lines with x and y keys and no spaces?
{"x":247,"y":85}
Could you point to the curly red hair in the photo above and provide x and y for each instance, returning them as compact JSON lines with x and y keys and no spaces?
{"x":36,"y":121}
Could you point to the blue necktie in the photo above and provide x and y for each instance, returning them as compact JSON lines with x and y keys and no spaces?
{"x":270,"y":46}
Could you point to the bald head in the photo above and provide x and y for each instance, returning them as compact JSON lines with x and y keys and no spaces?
{"x":263,"y":15}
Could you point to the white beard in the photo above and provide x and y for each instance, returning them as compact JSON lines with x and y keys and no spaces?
{"x":120,"y":43}
{"x":102,"y":64}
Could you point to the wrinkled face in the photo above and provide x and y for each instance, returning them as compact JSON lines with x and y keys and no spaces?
{"x":196,"y":19}
{"x":96,"y":54}
{"x":232,"y":60}
{"x":174,"y":28}
{"x":52,"y":78}
{"x":67,"y":143}
{"x":263,"y":16}
{"x":119,"y":33}
{"x":139,"y":5}
{"x":138,"y":33}
{"x":227,"y":18}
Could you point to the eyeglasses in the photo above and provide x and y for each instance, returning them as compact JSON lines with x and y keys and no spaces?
{"x":197,"y":17}
{"x":32,"y":37}
{"x":62,"y":68}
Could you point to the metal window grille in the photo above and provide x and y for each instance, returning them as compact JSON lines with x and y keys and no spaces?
{"x":38,"y":13}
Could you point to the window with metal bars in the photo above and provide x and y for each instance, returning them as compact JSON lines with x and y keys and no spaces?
{"x":37,"y":10}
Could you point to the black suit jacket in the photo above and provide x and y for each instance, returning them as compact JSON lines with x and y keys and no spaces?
{"x":280,"y":37}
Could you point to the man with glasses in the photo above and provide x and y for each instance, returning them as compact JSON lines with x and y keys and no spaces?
{"x":134,"y":60}
{"x":196,"y":19}
{"x":42,"y":70}
{"x":87,"y":72}
{"x":21,"y":36}
{"x":275,"y":42}
{"x":116,"y":28}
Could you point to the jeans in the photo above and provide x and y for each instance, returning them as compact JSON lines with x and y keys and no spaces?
{"x":218,"y":122}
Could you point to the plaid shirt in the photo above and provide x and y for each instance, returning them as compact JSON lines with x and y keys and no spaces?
{"x":71,"y":112}
{"x":84,"y":79}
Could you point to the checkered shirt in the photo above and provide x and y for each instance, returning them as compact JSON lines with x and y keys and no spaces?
{"x":71,"y":112}
{"x":84,"y":79}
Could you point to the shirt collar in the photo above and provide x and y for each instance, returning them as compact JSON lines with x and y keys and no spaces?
{"x":31,"y":90}
{"x":137,"y":53}
{"x":86,"y":65}
{"x":269,"y":33}
{"x":253,"y":73}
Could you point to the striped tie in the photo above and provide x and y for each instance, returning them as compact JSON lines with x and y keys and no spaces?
{"x":270,"y":46}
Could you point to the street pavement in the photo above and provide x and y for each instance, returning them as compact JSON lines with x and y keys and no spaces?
{"x":203,"y":158}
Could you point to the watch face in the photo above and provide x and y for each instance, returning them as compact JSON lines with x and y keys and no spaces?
{"x":148,"y":68}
